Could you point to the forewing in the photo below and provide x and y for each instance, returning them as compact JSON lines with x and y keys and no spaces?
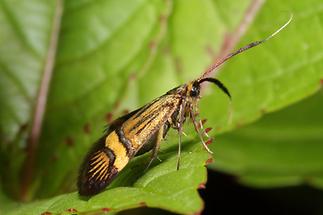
{"x":97,"y":169}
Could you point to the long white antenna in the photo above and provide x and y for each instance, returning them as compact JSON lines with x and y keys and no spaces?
{"x":242,"y":49}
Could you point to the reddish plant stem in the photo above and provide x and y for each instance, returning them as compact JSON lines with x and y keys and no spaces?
{"x":40,"y":105}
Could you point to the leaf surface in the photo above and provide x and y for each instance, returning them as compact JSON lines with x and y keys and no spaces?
{"x":161,"y":186}
{"x":282,"y":149}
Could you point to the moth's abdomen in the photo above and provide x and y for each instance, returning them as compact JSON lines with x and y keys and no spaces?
{"x":108,"y":157}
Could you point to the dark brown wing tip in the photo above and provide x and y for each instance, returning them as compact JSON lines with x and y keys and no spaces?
{"x":86,"y":185}
{"x":90,"y":186}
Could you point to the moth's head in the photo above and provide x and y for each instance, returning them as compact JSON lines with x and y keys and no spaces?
{"x":193,"y":89}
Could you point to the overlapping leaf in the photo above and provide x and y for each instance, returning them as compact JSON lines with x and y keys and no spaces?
{"x":286,"y":147}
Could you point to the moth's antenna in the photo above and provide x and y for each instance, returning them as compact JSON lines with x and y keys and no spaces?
{"x":218,"y":83}
{"x":242,"y":49}
{"x":225,"y":90}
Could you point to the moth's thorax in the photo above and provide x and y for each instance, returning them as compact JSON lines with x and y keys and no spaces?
{"x":180,"y":90}
{"x":191,"y":89}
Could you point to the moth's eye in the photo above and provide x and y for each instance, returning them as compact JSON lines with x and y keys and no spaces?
{"x":195,"y":91}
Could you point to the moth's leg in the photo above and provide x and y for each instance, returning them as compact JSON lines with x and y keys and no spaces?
{"x":159,"y":138}
{"x":199,"y":133}
{"x":180,"y":132}
{"x":179,"y":147}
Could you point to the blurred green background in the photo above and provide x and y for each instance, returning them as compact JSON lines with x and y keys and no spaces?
{"x":101,"y":58}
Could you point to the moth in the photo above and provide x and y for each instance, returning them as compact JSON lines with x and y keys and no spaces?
{"x":144,"y":129}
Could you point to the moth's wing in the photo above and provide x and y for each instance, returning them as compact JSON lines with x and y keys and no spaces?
{"x":97,"y":170}
{"x":94,"y":172}
{"x":145,"y":113}
{"x":152,"y":142}
{"x":118,"y":122}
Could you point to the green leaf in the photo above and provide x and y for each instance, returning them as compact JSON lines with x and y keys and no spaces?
{"x":283,"y":148}
{"x":106,"y":62}
{"x":160,"y":186}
